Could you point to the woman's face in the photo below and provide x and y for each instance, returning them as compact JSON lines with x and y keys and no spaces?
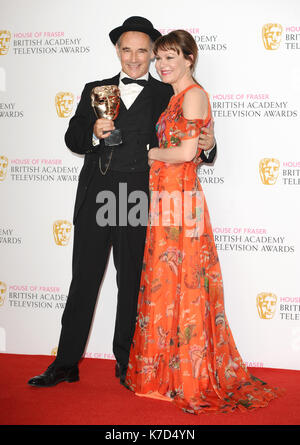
{"x":171,"y":66}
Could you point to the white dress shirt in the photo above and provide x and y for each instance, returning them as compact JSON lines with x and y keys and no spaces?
{"x":131,"y":91}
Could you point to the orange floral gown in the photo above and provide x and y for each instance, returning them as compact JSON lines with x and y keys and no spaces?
{"x":183,"y":349}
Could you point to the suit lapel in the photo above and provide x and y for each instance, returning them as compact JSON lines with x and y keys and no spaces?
{"x":126,"y":112}
{"x":144,"y":93}
{"x":158,"y":99}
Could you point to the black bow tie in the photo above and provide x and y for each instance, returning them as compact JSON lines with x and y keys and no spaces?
{"x":127,"y":80}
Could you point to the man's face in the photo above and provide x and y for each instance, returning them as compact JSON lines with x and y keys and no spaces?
{"x":135,"y":53}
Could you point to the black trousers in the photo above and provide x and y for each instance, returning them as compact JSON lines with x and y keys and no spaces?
{"x":91,"y":250}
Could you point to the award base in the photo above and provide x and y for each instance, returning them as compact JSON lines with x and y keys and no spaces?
{"x":115,"y":138}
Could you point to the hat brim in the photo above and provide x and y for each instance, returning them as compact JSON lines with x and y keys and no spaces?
{"x":117,"y":32}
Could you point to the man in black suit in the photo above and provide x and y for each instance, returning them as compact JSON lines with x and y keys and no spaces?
{"x":106,"y":169}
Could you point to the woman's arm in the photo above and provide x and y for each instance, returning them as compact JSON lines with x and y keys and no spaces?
{"x":195,"y":106}
{"x":183,"y":153}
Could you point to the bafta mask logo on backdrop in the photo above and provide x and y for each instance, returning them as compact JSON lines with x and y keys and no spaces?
{"x":271,"y":35}
{"x":2,"y":79}
{"x":62,"y":232}
{"x":266,"y":305}
{"x":4,"y":42}
{"x":269,"y":170}
{"x":3,"y":167}
{"x":3,"y":289}
{"x":64,"y":104}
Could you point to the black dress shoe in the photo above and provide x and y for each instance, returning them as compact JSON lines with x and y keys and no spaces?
{"x":120,"y":372}
{"x":54,"y":375}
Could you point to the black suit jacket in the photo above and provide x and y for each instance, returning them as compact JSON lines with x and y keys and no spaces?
{"x":79,"y":134}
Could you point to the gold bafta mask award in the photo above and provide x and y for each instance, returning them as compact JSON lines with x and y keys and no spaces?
{"x":106,"y":103}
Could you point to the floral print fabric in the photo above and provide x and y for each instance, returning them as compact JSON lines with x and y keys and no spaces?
{"x":183,"y":348}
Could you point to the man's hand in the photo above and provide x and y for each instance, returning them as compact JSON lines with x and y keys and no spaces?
{"x":207,"y":137}
{"x":101,"y":126}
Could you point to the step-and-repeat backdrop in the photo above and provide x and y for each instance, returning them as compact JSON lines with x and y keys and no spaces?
{"x":249,"y":63}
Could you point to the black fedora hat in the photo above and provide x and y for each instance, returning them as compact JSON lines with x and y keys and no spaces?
{"x":135,"y":23}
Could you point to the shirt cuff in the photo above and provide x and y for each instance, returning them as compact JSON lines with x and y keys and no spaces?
{"x":95,"y":140}
{"x":206,"y":152}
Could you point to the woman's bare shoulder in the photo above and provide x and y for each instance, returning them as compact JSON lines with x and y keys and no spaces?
{"x":195,"y":104}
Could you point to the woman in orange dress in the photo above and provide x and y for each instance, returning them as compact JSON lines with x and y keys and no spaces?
{"x":183,"y":350}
